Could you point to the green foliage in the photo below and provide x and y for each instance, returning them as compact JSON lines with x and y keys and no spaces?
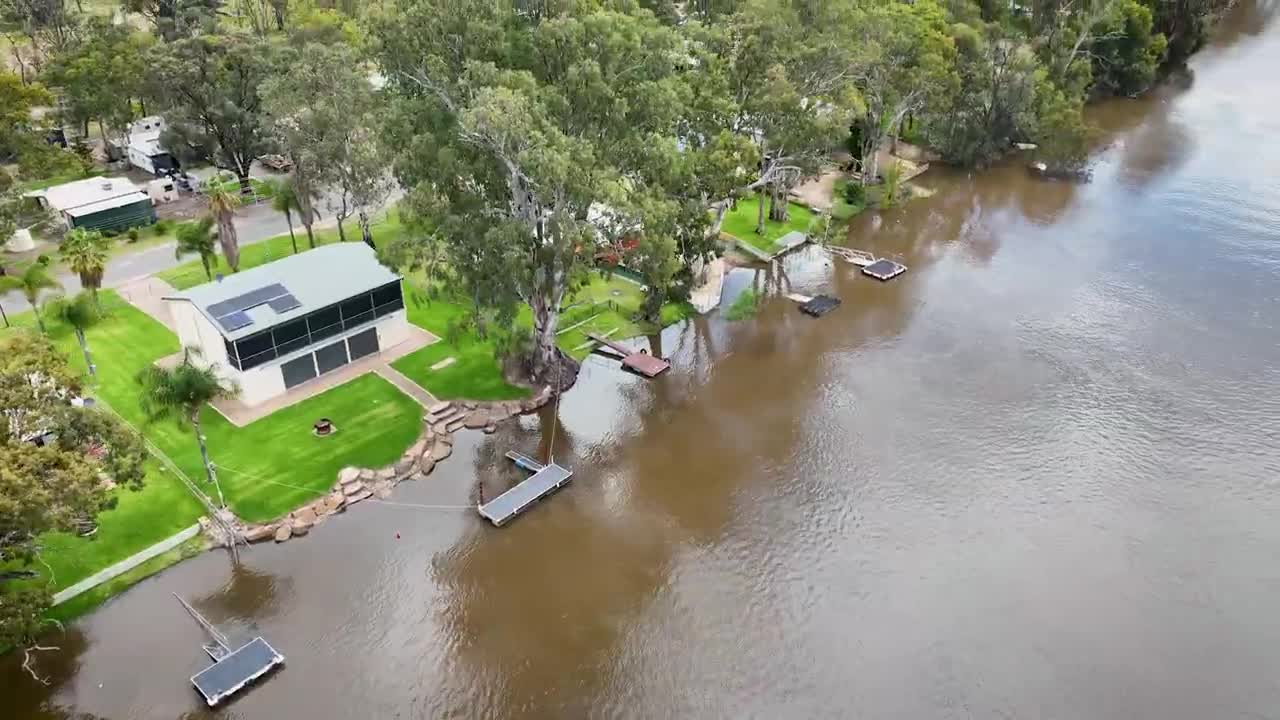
{"x":32,"y":282}
{"x":179,"y":392}
{"x":38,"y":160}
{"x":85,"y":252}
{"x":1128,"y":52}
{"x":212,"y":85}
{"x":100,"y":76}
{"x":57,"y":486}
{"x":855,"y":194}
{"x":746,"y":305}
{"x":16,"y":101}
{"x":162,"y":227}
{"x":196,"y":238}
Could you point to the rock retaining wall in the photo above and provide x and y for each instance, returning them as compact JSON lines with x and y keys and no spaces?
{"x":434,"y":445}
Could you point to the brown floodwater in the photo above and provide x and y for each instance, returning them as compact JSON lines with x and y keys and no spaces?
{"x":1036,"y":476}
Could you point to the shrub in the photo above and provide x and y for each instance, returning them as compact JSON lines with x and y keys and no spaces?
{"x":743,"y":307}
{"x":162,"y":227}
{"x":854,"y":193}
{"x":134,"y":234}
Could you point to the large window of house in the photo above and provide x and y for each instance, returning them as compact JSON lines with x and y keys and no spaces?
{"x":262,"y":347}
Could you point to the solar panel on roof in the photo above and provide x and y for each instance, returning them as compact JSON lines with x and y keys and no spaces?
{"x":235,"y":321}
{"x":248,"y":300}
{"x":284,"y":303}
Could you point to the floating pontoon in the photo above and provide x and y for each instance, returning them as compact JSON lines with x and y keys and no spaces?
{"x":545,"y":480}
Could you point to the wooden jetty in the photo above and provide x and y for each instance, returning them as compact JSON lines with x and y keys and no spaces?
{"x":545,"y":480}
{"x":636,"y":361}
{"x":232,"y":670}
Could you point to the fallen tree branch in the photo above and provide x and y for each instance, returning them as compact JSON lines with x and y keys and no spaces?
{"x":26,"y":660}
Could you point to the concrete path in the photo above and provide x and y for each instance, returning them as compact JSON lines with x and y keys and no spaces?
{"x":125,"y":565}
{"x":407,"y":386}
{"x":147,"y":294}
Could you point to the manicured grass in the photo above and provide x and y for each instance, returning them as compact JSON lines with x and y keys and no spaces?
{"x":610,"y":304}
{"x":601,"y":306}
{"x":139,"y":520}
{"x":376,"y":422}
{"x":741,"y":224}
{"x":474,"y":374}
{"x":191,"y":273}
{"x":91,"y":599}
{"x":743,"y":306}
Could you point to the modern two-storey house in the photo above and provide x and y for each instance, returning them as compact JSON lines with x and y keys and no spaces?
{"x":276,"y":326}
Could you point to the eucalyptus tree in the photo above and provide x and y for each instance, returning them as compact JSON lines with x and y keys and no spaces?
{"x":526,"y":131}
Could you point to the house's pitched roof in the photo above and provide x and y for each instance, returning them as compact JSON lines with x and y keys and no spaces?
{"x":315,"y":279}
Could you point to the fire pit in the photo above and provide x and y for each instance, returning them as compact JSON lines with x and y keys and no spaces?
{"x":323,"y":427}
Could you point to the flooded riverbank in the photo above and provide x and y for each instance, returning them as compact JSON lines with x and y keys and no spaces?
{"x":1033,"y":477}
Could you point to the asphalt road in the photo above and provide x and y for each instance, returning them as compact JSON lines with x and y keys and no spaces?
{"x":253,"y":224}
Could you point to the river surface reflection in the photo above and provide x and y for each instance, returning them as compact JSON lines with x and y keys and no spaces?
{"x":1033,"y":477}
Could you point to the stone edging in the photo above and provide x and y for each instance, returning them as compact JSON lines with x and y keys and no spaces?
{"x":434,"y":445}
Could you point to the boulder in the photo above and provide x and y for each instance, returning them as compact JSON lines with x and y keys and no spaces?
{"x":490,"y":429}
{"x":385,"y":473}
{"x":428,"y":464}
{"x":299,"y":529}
{"x":368,"y":474}
{"x":333,"y":503}
{"x":470,"y":405}
{"x":362,"y":495}
{"x":305,"y":516}
{"x":416,"y":450}
{"x":382,"y":491}
{"x":354,"y":488}
{"x":454,"y":426}
{"x":440,"y":451}
{"x":348,"y":475}
{"x":258,"y":533}
{"x":284,"y":532}
{"x":404,"y":467}
{"x":446,"y":439}
{"x":477,"y":420}
{"x":439,"y":407}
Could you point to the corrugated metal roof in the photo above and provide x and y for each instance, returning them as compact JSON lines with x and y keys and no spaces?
{"x":108,"y":204}
{"x":84,"y":192}
{"x":317,"y":278}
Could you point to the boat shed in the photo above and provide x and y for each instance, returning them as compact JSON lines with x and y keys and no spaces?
{"x":98,"y":203}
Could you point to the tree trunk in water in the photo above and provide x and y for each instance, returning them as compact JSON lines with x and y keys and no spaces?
{"x":760,"y":212}
{"x":204,"y":456}
{"x":84,"y":348}
{"x":288,"y":217}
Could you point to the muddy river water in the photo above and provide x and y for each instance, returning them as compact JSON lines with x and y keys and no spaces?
{"x":1036,"y":476}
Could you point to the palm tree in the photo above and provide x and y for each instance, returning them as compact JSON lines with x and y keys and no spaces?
{"x":85,"y":252}
{"x":179,"y":393}
{"x":197,"y":237}
{"x":31,"y":282}
{"x":222,"y":206}
{"x":80,"y":312}
{"x":284,"y":199}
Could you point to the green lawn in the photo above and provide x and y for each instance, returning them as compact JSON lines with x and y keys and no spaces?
{"x":191,"y":273}
{"x":474,"y":374}
{"x":376,"y":422}
{"x":604,"y":305}
{"x":741,"y":224}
